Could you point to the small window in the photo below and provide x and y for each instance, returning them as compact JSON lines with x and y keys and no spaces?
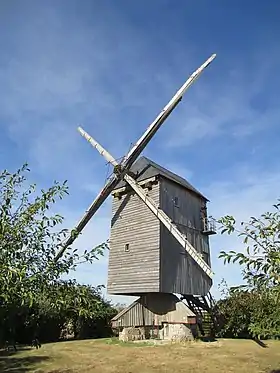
{"x":176,"y":201}
{"x":126,"y":247}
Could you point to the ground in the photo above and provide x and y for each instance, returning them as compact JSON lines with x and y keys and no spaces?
{"x":108,"y":356}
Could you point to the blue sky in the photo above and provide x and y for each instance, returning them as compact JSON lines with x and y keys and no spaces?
{"x":110,"y":66}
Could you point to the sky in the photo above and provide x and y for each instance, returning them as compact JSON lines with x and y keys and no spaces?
{"x":111,"y":66}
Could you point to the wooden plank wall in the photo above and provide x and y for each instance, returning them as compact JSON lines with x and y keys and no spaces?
{"x":179,"y":273}
{"x":154,"y":309}
{"x":136,"y":271}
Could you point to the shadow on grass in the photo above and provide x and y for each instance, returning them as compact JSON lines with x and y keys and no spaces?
{"x":207,"y":339}
{"x":261,"y":344}
{"x":12,"y":362}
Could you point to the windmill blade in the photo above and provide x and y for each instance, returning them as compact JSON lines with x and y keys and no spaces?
{"x":109,"y":158}
{"x":166,"y":111}
{"x":150,"y":203}
{"x":104,"y":193}
{"x":130,"y":158}
{"x":169,"y":225}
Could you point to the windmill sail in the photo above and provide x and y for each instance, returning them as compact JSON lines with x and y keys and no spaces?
{"x":104,"y":193}
{"x":163,"y":115}
{"x":98,"y":147}
{"x":169,"y":225}
{"x":131,"y":156}
{"x":152,"y":206}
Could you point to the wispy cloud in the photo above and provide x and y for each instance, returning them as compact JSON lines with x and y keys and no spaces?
{"x":231,"y":109}
{"x":249,"y":192}
{"x":111,"y":68}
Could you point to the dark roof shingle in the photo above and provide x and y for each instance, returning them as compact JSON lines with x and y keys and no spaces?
{"x":145,"y":168}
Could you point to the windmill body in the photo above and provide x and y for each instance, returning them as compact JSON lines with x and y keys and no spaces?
{"x":144,"y":256}
{"x":159,"y":240}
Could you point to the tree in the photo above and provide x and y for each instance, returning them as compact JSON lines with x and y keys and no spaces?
{"x":85,"y":308}
{"x":29,"y":240}
{"x":120,"y":306}
{"x":82,"y":312}
{"x":249,"y":313}
{"x":236,"y":307}
{"x":260,"y":260}
{"x":259,"y":299}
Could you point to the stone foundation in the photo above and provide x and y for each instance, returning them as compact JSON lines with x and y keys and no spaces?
{"x":169,"y":332}
{"x":176,"y":333}
{"x":132,"y":334}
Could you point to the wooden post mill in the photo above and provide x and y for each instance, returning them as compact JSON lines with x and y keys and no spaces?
{"x":159,"y":241}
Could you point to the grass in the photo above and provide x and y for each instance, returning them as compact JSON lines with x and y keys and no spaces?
{"x":110,"y":356}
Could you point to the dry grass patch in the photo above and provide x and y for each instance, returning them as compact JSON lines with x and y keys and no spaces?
{"x":105,"y":356}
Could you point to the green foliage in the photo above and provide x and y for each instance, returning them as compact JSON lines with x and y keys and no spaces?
{"x":249,"y":313}
{"x":29,"y":238}
{"x":77,"y":300}
{"x":31,"y":289}
{"x":64,"y":308}
{"x":260,"y":259}
{"x":254,"y":308}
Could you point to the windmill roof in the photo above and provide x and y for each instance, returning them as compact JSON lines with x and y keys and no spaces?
{"x":145,"y":168}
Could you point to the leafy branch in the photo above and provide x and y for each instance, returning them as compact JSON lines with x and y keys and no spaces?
{"x":260,"y":259}
{"x":29,"y":237}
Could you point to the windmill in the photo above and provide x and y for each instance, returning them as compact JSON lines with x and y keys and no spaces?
{"x":131,"y":184}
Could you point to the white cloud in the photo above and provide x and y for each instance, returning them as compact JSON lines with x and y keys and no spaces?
{"x":247,"y":192}
{"x":227,"y":105}
{"x":63,"y":73}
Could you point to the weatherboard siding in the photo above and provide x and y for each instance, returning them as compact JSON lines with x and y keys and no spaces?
{"x":153,"y":310}
{"x":156,"y":262}
{"x":179,"y":272}
{"x":136,"y":271}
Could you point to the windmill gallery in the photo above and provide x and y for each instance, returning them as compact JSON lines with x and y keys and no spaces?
{"x":159,"y":241}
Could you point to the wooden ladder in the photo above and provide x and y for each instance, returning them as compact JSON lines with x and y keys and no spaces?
{"x":209,"y":318}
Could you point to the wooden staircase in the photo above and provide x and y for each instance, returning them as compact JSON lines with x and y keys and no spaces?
{"x":209,"y":318}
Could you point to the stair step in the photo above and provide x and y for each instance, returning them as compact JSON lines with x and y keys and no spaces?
{"x":207,"y":310}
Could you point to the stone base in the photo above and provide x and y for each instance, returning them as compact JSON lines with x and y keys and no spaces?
{"x":132,"y":334}
{"x":176,"y":333}
{"x":169,"y":332}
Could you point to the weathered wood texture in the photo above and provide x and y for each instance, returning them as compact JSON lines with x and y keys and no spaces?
{"x":179,"y":272}
{"x":137,"y":270}
{"x":155,"y":261}
{"x":154,"y":309}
